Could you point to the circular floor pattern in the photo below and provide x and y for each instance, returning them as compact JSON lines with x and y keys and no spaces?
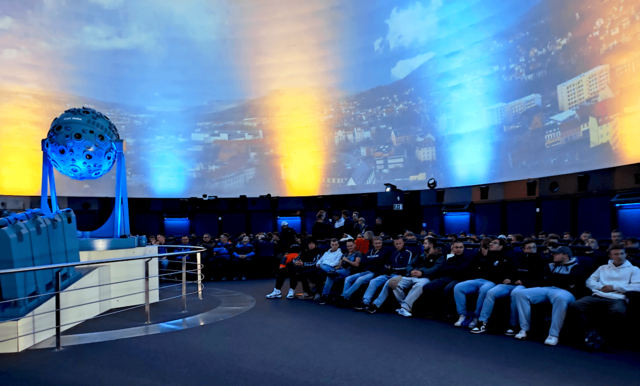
{"x":232,"y":303}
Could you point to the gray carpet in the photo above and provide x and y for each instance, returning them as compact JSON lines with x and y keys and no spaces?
{"x":295,"y":342}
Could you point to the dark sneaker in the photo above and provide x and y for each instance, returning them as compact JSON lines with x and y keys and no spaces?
{"x":361,"y":307}
{"x":372,"y":308}
{"x":480,"y":328}
{"x":511,"y":331}
{"x":323,"y":300}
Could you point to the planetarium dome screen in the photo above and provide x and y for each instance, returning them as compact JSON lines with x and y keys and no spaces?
{"x":296,"y":98}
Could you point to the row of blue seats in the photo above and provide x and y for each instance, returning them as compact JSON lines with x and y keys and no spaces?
{"x":31,"y":239}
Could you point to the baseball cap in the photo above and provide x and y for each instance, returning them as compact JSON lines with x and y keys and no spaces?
{"x":565,"y":250}
{"x":285,"y":223}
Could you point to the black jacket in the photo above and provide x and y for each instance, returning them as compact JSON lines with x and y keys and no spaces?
{"x":208,"y":254}
{"x":567,"y":276}
{"x":427,"y":264}
{"x":349,"y":227}
{"x":309,"y":257}
{"x":288,"y":235}
{"x":528,"y":269}
{"x":397,"y":263}
{"x":321,"y":231}
{"x":495,"y":267}
{"x":374,"y":260}
{"x":456,"y":267}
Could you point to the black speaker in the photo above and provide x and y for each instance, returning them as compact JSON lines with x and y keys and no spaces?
{"x":583,"y":182}
{"x":484,"y":192}
{"x":636,"y":176}
{"x":440,"y":195}
{"x":532,"y":185}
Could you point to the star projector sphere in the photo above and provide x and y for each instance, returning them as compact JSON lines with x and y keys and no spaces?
{"x":80,"y":144}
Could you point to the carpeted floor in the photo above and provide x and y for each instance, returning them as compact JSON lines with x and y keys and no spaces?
{"x":295,"y":342}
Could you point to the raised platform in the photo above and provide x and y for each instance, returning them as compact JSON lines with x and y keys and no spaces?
{"x":93,"y":287}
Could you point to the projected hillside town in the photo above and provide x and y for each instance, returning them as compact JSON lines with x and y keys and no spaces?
{"x":466,"y":92}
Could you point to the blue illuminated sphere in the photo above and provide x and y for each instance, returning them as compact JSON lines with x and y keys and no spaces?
{"x":80,"y":144}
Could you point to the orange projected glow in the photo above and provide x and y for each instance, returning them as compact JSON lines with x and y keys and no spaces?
{"x":22,"y":124}
{"x":300,"y":139}
{"x":289,"y":57}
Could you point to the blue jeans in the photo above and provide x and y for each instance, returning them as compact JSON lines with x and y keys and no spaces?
{"x":559,"y":299}
{"x":374,"y":284}
{"x":461,"y":290}
{"x":342,"y":273}
{"x":353,"y":282}
{"x":497,"y":292}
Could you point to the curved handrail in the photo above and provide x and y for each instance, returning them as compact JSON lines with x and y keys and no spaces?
{"x":194,"y":249}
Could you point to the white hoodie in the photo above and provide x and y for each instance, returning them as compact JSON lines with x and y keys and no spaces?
{"x":330,"y":258}
{"x":624,"y":278}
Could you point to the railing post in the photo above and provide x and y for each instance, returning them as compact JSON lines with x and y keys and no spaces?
{"x":184,"y":283}
{"x":58,"y":311}
{"x":199,"y":271}
{"x":147,"y":308}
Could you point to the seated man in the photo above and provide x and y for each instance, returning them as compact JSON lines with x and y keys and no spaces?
{"x":331,"y":258}
{"x":242,"y":258}
{"x":454,"y":269}
{"x":370,"y":266}
{"x":561,"y":279}
{"x":284,"y":271}
{"x":609,"y":284}
{"x":219,"y":264}
{"x":418,"y":272}
{"x":350,"y":259}
{"x":490,"y":267}
{"x":616,"y":237}
{"x":526,"y":274}
{"x":301,"y":265}
{"x":396,"y":265}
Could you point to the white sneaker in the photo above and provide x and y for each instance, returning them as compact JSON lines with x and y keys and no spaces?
{"x":403,"y":312}
{"x":521,"y":335}
{"x":551,"y":340}
{"x":473,"y":323}
{"x":276,"y":294}
{"x":291,"y":294}
{"x":460,"y":321}
{"x":510,"y":332}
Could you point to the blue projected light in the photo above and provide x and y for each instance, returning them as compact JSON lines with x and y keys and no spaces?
{"x":177,"y":226}
{"x":80,"y":144}
{"x":293,"y":222}
{"x":634,"y":205}
{"x":455,"y":222}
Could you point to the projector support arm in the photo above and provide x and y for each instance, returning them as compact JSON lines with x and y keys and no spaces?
{"x":48,"y":182}
{"x":118,"y":223}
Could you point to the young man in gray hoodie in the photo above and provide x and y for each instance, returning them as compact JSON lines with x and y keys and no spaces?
{"x":609,"y":284}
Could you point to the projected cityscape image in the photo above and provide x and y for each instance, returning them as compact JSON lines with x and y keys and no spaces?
{"x":295,"y":98}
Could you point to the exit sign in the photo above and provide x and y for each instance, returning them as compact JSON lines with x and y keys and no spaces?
{"x":397,"y":206}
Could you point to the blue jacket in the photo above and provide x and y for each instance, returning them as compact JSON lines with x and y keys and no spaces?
{"x":242,"y":249}
{"x":222,"y":250}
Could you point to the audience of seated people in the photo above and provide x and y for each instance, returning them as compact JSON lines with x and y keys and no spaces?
{"x":543,"y":268}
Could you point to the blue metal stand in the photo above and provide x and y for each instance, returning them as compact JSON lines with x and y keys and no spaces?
{"x":118,"y":223}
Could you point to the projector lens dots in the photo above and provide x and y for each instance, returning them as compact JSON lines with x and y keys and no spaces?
{"x":87,"y":133}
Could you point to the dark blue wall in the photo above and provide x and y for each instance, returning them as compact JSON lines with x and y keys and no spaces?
{"x":202,"y":223}
{"x":432,"y":216}
{"x":556,"y":216}
{"x":594,"y":215}
{"x":521,"y":217}
{"x":261,"y":222}
{"x":488,"y":219}
{"x":234,"y":223}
